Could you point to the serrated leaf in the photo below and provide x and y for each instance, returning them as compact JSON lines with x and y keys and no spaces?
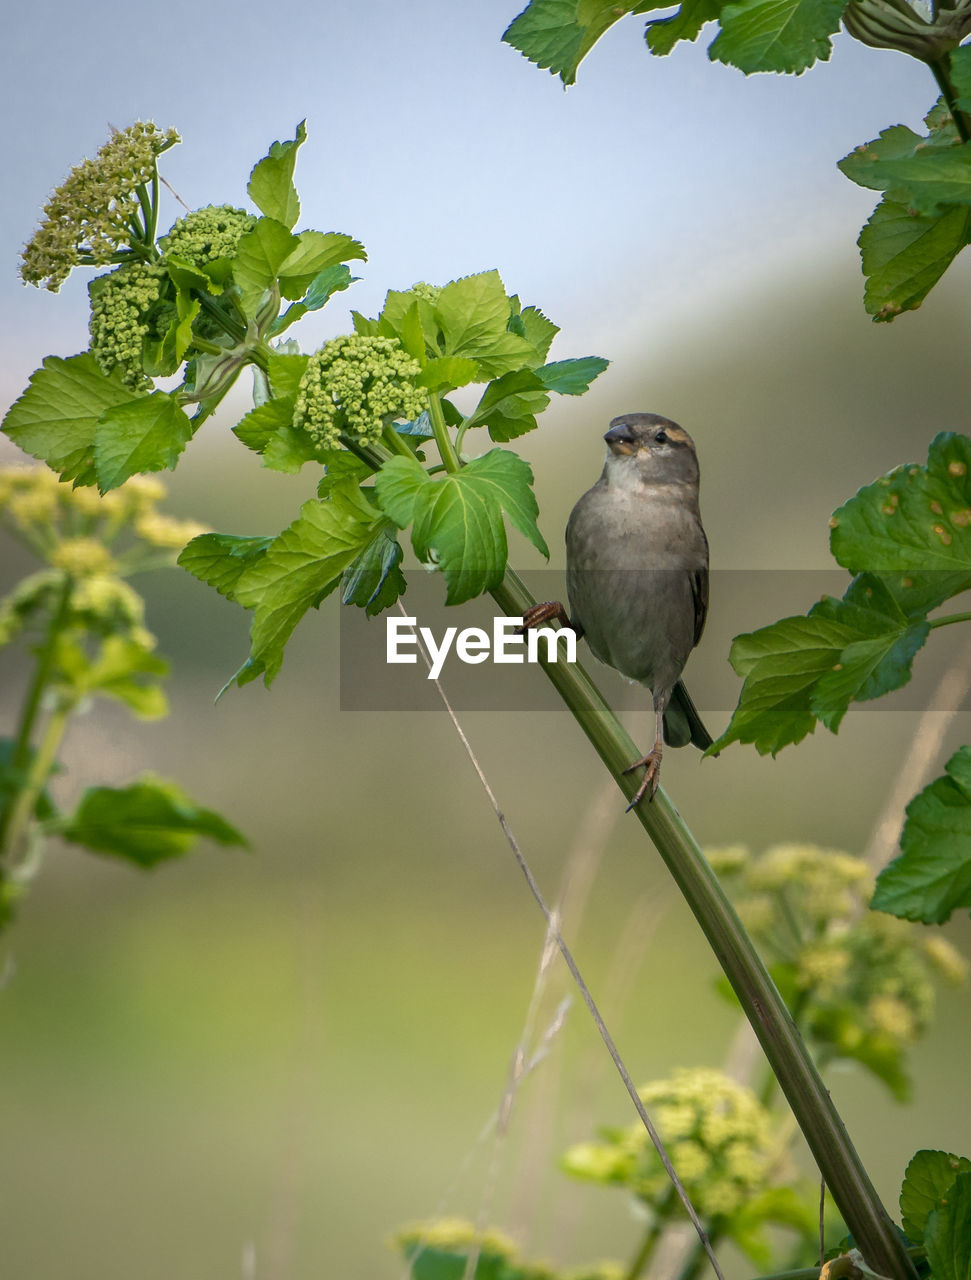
{"x":929,"y":1177}
{"x":864,"y":165}
{"x":322,"y":288}
{"x":285,"y":371}
{"x":904,"y":254}
{"x":558,"y":34}
{"x":301,"y":566}
{"x":270,"y":184}
{"x":473,"y":314}
{"x":315,"y":252}
{"x":947,"y":1236}
{"x":146,"y":434}
{"x":146,"y":823}
{"x":373,"y":580}
{"x":571,"y":377}
{"x":260,"y":255}
{"x":538,"y":330}
{"x":931,"y":180}
{"x":221,"y":559}
{"x":457,"y":520}
{"x":446,"y":373}
{"x":781,"y":663}
{"x":256,"y":428}
{"x":509,"y":405}
{"x":916,"y":521}
{"x":931,"y":877}
{"x":777,"y":35}
{"x":662,"y":34}
{"x":55,"y":418}
{"x":290,"y":449}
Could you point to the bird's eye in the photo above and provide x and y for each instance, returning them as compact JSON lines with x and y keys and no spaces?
{"x":661,"y":437}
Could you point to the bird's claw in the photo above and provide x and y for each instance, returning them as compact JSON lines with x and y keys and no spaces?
{"x":540,"y":613}
{"x":652,"y":776}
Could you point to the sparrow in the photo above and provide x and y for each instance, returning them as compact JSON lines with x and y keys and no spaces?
{"x":637,"y":574}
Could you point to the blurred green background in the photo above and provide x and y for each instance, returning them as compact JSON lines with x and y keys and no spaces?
{"x":259,"y":1065}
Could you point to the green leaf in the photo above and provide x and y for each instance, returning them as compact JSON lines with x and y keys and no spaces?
{"x":122,"y":669}
{"x":509,"y":404}
{"x":221,"y":559}
{"x":929,"y":1177}
{"x":876,"y":662}
{"x":777,"y":35}
{"x":12,"y":780}
{"x":932,"y":875}
{"x":373,"y":580}
{"x":931,"y":180}
{"x":662,"y":34}
{"x":270,"y":183}
{"x":914,"y":521}
{"x":323,"y":286}
{"x":260,"y":255}
{"x":947,"y":1237}
{"x":864,"y":165}
{"x":300,"y":567}
{"x":147,"y":434}
{"x":558,"y":34}
{"x":457,"y":520}
{"x":961,"y":76}
{"x":446,"y":373}
{"x":314,"y":253}
{"x":146,"y":823}
{"x":256,"y":428}
{"x":781,"y":664}
{"x":474,"y":315}
{"x":55,"y":418}
{"x":285,"y":371}
{"x":904,"y":255}
{"x":571,"y":377}
{"x":538,"y":330}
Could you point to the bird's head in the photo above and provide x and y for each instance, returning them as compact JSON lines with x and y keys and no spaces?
{"x":657,"y":450}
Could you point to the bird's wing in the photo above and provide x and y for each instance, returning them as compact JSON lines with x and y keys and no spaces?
{"x":699,"y":593}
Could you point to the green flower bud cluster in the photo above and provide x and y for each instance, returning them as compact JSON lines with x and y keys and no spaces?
{"x":88,"y":218}
{"x":426,"y":292}
{"x":207,"y":234}
{"x":357,"y":384}
{"x":717,"y":1133}
{"x":122,"y":303}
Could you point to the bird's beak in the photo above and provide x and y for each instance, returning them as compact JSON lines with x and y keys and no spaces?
{"x":621,"y":440}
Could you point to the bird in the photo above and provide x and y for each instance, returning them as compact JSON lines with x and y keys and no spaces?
{"x":637,"y":574}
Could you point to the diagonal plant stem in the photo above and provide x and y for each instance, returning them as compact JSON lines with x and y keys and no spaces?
{"x":823,"y":1128}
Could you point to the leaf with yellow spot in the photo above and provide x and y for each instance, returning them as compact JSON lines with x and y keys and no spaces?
{"x":916,"y":521}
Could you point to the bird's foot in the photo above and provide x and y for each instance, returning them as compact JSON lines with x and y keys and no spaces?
{"x":540,"y":613}
{"x":652,"y":776}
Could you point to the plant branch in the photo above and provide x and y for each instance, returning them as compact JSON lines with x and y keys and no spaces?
{"x":820,"y":1122}
{"x":442,"y":438}
{"x":941,"y":71}
{"x":11,"y":818}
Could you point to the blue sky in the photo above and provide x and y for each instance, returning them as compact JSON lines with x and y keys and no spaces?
{"x":620,"y":205}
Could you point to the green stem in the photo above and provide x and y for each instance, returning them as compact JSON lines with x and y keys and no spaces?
{"x":643,"y":1254}
{"x":948,"y":619}
{"x":31,"y":708}
{"x":442,"y":438}
{"x":697,"y":1257}
{"x":153,"y":224}
{"x":395,"y":443}
{"x":941,"y":71}
{"x":15,"y":813}
{"x":22,"y":809}
{"x":784,"y":1048}
{"x":219,"y":313}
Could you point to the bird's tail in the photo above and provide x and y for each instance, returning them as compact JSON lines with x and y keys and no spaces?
{"x":682,"y":723}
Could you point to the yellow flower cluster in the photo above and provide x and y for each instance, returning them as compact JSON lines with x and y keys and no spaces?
{"x":88,"y":217}
{"x":459,"y":1238}
{"x":717,"y":1133}
{"x":864,"y":978}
